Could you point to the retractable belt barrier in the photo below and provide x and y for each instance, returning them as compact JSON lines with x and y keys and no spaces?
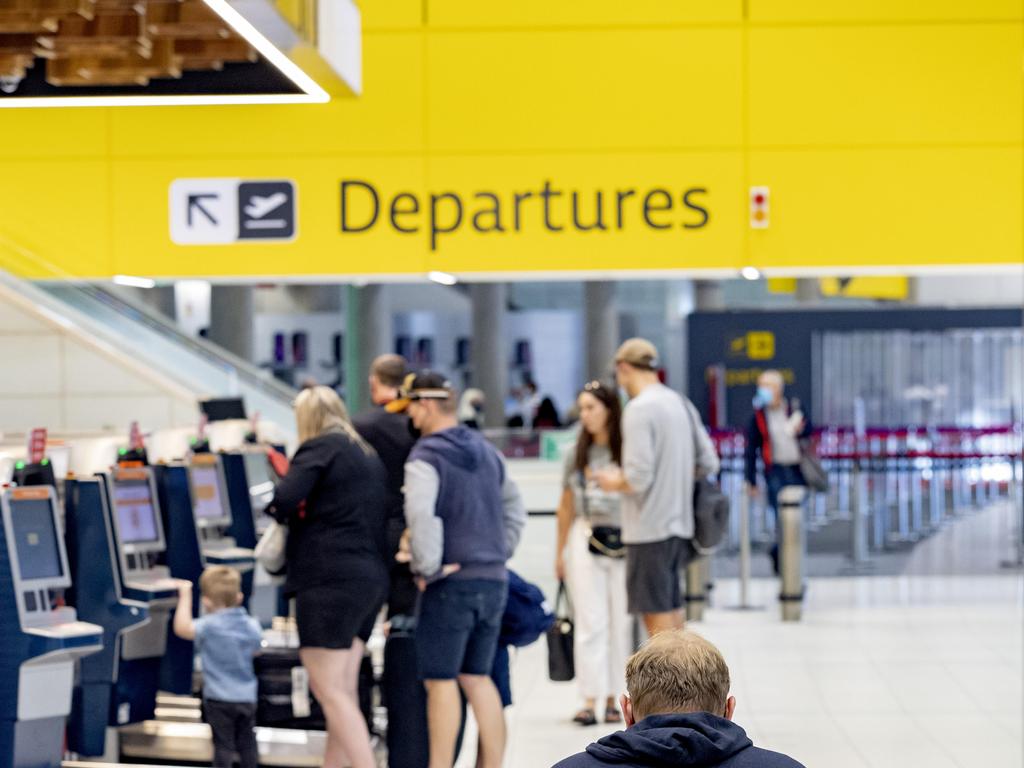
{"x":893,"y":485}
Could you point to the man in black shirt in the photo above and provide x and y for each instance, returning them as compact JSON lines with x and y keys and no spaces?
{"x":391,"y":436}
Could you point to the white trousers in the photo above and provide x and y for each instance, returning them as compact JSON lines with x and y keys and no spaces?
{"x":604,"y":636}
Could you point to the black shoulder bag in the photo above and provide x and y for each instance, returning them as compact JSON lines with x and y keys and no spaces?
{"x":605,"y":540}
{"x":710,"y":505}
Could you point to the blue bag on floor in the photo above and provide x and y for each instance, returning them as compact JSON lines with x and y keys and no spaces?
{"x":527,"y":613}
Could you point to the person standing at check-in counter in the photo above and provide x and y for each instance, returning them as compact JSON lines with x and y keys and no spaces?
{"x":465,"y":518}
{"x":333,"y":501}
{"x":392,"y":436}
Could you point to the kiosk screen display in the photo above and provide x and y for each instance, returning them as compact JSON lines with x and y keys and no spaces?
{"x":136,"y":516}
{"x":36,"y":537}
{"x":257,"y":472}
{"x":206,"y":496}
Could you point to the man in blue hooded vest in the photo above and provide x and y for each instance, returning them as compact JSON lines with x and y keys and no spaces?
{"x":465,"y":517}
{"x":678,"y":713}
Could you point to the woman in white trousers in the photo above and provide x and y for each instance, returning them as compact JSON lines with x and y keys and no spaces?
{"x":590,"y":557}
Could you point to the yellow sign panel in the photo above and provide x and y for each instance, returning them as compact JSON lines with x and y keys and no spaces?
{"x":892,"y":288}
{"x":495,"y":137}
{"x":754,"y":345}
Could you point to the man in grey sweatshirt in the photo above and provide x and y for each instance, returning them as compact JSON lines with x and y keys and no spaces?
{"x":465,"y":517}
{"x":664,"y":448}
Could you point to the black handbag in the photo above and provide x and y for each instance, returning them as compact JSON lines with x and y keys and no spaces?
{"x":604,"y":540}
{"x":710,"y":505}
{"x":561,"y":661}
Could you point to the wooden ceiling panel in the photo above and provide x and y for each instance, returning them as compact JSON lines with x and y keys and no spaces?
{"x":114,"y":42}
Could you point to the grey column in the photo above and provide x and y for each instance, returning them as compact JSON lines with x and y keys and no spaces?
{"x":488,"y":348}
{"x":708,"y":295}
{"x":601,"y":328}
{"x":808,"y":290}
{"x":368,"y":333}
{"x":231,"y":319}
{"x":161,"y":299}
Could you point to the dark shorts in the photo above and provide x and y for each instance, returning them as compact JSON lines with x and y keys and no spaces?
{"x":653,"y":574}
{"x":332,"y":616}
{"x":457,"y":627}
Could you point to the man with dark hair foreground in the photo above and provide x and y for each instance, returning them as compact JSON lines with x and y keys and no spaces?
{"x":678,"y":713}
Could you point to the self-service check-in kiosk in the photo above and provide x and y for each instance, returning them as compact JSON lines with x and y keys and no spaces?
{"x":140,"y":546}
{"x":93,"y":555}
{"x":198,"y":515}
{"x":40,"y":637}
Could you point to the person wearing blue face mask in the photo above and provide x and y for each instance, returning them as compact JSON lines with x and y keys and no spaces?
{"x":774,"y":431}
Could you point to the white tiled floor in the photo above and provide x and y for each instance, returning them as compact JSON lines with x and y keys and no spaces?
{"x":922,"y":669}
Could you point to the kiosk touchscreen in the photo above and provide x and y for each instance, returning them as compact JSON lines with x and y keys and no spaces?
{"x":211,"y":508}
{"x":261,"y":484}
{"x":139,"y":533}
{"x":42,"y":637}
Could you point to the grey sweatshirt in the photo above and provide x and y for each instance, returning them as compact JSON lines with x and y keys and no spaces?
{"x":461,"y":506}
{"x":660,"y":458}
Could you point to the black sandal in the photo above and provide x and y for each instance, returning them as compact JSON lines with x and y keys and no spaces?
{"x":612,"y":715}
{"x":585,"y":717}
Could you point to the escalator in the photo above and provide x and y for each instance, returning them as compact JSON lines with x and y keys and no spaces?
{"x":138,"y":336}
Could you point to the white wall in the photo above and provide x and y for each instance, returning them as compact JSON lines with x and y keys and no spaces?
{"x":556,"y":341}
{"x":53,"y":378}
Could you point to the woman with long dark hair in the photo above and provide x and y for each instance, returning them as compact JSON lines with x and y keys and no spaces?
{"x":590,"y":557}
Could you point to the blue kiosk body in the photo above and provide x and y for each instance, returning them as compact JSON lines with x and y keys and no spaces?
{"x":96,"y":596}
{"x":41,"y":638}
{"x":140,"y":544}
{"x":197,"y":515}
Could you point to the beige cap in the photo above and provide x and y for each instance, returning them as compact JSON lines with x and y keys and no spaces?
{"x":639,"y":353}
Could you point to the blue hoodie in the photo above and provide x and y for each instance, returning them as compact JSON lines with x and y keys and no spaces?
{"x":695,"y":739}
{"x":460,"y":506}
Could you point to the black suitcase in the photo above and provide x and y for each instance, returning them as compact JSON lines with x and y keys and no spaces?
{"x":277,"y":685}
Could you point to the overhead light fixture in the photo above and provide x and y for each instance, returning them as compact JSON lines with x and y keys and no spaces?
{"x":751,"y":273}
{"x":442,"y":278}
{"x":134,"y":282}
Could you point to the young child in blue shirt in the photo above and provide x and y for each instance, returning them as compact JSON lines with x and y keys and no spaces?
{"x":226,"y":638}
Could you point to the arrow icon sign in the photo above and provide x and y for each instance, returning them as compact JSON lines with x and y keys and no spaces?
{"x":196,"y":201}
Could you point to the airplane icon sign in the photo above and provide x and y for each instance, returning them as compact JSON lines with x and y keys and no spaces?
{"x":261,"y":206}
{"x":223,"y":211}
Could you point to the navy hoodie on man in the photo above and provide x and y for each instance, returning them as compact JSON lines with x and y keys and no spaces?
{"x":697,"y":740}
{"x":460,"y":506}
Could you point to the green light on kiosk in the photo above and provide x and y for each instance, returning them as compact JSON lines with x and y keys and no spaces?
{"x":44,"y":462}
{"x":20,"y":465}
{"x":122,"y":451}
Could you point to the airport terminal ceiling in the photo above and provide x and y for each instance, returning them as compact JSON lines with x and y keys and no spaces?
{"x":506,"y":140}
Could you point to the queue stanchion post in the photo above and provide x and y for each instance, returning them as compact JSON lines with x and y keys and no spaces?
{"x":1017,"y":495}
{"x":792,"y":551}
{"x":860,"y":561}
{"x":744,"y":551}
{"x":697,"y":587}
